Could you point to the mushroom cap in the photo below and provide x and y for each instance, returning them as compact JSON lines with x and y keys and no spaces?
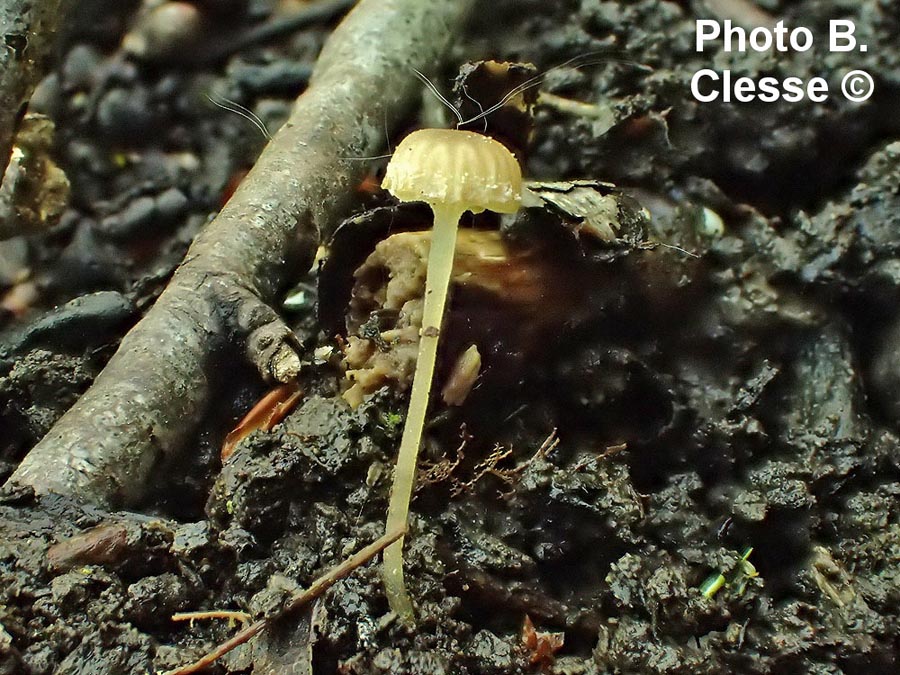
{"x":457,"y":169}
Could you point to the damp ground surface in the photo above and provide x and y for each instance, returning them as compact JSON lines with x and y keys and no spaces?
{"x":733,"y":386}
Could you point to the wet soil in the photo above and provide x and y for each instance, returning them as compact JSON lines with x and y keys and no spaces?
{"x":735,"y":388}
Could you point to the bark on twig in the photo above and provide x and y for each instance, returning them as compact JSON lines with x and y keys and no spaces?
{"x":29,"y":30}
{"x":145,"y":403}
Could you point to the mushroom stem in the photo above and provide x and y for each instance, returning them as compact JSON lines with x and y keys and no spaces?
{"x":437,"y":281}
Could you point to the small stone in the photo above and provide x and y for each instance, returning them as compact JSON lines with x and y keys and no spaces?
{"x":85,"y":157}
{"x":164,"y":32}
{"x":80,"y":68}
{"x":101,"y":545}
{"x":71,"y":589}
{"x":168,"y":87}
{"x":47,"y":98}
{"x":171,"y":204}
{"x":134,"y":219}
{"x":125,"y":114}
{"x":122,"y":72}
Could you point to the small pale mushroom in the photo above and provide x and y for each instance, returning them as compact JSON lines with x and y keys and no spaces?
{"x":452,"y":171}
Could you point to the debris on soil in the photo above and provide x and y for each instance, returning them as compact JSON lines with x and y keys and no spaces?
{"x":541,"y":646}
{"x":35,"y":191}
{"x":732,"y":383}
{"x":294,"y":603}
{"x":264,"y":416}
{"x":223,"y":295}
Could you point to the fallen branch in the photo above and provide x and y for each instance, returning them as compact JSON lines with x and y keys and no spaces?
{"x":316,"y":589}
{"x":145,"y":404}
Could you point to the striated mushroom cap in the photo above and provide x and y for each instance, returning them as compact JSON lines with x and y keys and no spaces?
{"x":455,"y":168}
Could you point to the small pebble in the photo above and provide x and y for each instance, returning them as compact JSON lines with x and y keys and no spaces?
{"x":47,"y":98}
{"x":84,"y":157}
{"x":170,"y":205}
{"x":125,"y":114}
{"x":273,"y":113}
{"x":100,"y":21}
{"x":101,"y":545}
{"x":133,"y":219}
{"x":164,"y":33}
{"x":155,"y":599}
{"x":168,"y":87}
{"x":85,"y":322}
{"x":80,"y":68}
{"x":145,"y":215}
{"x":122,"y":72}
{"x":261,"y":9}
{"x":86,"y":264}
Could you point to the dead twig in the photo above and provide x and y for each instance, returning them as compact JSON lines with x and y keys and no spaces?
{"x":145,"y":405}
{"x":316,"y":589}
{"x":230,"y":615}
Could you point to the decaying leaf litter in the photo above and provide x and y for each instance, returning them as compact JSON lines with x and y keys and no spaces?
{"x":742,"y":394}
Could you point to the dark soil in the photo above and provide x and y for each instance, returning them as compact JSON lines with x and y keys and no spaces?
{"x":730,"y":390}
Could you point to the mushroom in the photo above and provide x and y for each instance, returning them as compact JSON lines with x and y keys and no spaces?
{"x":453,"y":171}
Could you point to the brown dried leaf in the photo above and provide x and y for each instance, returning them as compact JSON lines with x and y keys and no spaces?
{"x":541,"y":647}
{"x":264,"y":416}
